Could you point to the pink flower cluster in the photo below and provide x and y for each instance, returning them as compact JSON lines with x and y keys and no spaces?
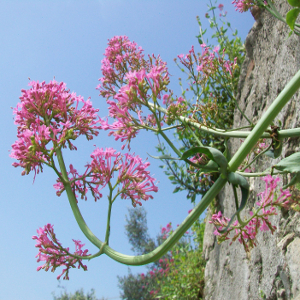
{"x":243,"y":5}
{"x":259,"y":219}
{"x":133,"y":177}
{"x":165,"y":231}
{"x":208,"y":63}
{"x":54,"y":255}
{"x":125,"y":68}
{"x":120,"y":57}
{"x":50,"y":113}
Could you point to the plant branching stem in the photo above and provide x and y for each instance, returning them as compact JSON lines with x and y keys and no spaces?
{"x":234,"y":163}
{"x":286,"y":133}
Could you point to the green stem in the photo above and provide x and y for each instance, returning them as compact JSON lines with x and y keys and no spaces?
{"x":108,"y":213}
{"x":286,"y":133}
{"x":73,"y":203}
{"x":169,"y":142}
{"x":256,"y":157}
{"x":259,"y":174}
{"x":174,"y":237}
{"x":237,"y":207}
{"x":272,"y":10}
{"x":262,"y":125}
{"x":156,"y":253}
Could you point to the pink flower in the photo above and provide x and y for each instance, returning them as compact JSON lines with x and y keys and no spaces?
{"x":128,"y":82}
{"x":49,"y":115}
{"x":259,"y":219}
{"x":135,"y":181}
{"x":220,"y":6}
{"x":242,"y":5}
{"x":54,"y":255}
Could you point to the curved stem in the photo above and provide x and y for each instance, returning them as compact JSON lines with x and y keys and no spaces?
{"x":174,"y":237}
{"x":73,"y":203}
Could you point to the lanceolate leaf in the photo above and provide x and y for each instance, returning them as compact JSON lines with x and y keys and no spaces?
{"x":238,"y":180}
{"x":212,"y":153}
{"x":294,"y":180}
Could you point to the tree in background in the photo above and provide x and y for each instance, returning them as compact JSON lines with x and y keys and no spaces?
{"x":139,"y":286}
{"x":180,"y":273}
{"x":78,"y":295}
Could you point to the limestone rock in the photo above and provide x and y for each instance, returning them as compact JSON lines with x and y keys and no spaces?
{"x":272,"y":270}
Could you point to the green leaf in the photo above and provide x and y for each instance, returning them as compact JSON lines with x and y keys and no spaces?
{"x":276,"y":150}
{"x":294,"y":181}
{"x":177,"y":189}
{"x":212,"y":153}
{"x":290,"y":164}
{"x":295,"y":3}
{"x":291,"y":17}
{"x":238,"y":180}
{"x":277,"y":147}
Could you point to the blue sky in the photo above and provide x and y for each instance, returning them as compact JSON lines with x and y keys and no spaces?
{"x":67,"y":39}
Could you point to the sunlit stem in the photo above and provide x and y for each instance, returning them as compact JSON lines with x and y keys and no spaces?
{"x":110,"y":202}
{"x":73,"y":203}
{"x":286,"y":133}
{"x":256,"y":157}
{"x":169,"y":142}
{"x":260,"y":174}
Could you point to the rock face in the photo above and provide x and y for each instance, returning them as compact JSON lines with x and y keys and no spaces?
{"x":272,"y":269}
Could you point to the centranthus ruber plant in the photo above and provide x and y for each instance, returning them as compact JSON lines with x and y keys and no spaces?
{"x":50,"y":118}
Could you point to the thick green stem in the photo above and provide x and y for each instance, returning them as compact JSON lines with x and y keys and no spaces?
{"x":73,"y":202}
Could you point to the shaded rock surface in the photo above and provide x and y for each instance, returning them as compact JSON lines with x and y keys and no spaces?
{"x":272,"y":269}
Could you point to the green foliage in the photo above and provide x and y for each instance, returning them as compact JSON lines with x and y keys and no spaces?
{"x":178,"y":275}
{"x":78,"y":295}
{"x":291,"y":17}
{"x":212,"y":104}
{"x":185,"y":279}
{"x":136,"y":287}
